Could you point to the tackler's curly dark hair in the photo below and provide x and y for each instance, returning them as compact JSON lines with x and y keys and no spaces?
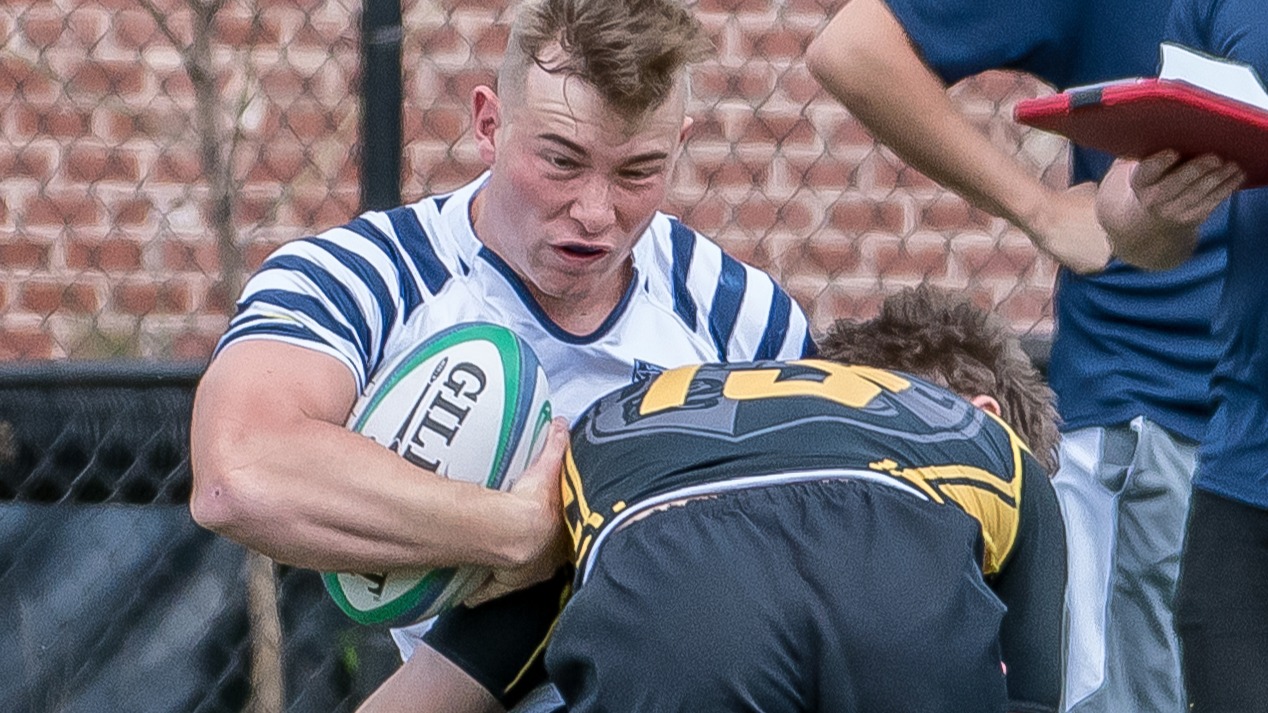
{"x":943,"y":338}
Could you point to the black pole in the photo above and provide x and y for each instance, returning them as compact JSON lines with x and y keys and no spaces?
{"x":381,"y":35}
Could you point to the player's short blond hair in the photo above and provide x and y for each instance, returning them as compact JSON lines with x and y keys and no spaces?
{"x":942,"y":337}
{"x":633,"y":52}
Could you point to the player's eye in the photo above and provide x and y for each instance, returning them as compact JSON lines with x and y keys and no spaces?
{"x":563,"y":163}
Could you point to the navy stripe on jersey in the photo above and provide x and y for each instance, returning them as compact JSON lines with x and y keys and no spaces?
{"x":726,"y":303}
{"x":417,"y":245}
{"x":267,"y":326}
{"x":409,"y":291}
{"x":305,"y":305}
{"x":332,"y":288}
{"x":373,"y":281}
{"x":684,"y":244}
{"x":776,"y":325}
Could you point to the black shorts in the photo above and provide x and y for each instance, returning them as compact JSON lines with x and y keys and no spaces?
{"x":838,"y":595}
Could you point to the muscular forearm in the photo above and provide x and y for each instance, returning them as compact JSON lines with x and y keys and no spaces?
{"x":331,"y":499}
{"x":275,"y":469}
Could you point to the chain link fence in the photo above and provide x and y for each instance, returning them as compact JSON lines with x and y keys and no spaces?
{"x":153,"y":152}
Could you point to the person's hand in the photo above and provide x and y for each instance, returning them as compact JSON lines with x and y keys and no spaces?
{"x":1065,"y":227}
{"x":546,"y":542}
{"x":1152,"y":208}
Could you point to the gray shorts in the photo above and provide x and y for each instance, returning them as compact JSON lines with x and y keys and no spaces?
{"x":1124,"y":494}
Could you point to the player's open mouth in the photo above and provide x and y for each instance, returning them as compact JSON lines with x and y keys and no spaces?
{"x":579,"y":251}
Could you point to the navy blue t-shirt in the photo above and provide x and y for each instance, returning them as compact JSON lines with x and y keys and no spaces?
{"x":1233,"y":459}
{"x":1128,"y":342}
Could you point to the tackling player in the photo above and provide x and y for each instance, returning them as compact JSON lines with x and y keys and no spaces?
{"x":871,"y":533}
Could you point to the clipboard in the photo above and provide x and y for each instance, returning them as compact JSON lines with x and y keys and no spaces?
{"x":1140,"y":117}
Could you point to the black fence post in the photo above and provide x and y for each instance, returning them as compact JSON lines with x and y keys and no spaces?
{"x":381,"y":36}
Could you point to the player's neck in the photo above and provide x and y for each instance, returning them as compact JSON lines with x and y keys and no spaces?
{"x":581,"y":313}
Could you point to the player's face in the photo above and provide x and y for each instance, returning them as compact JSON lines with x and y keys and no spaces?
{"x":573,"y":184}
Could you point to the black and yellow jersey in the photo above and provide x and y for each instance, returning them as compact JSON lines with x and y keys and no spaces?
{"x":710,"y":428}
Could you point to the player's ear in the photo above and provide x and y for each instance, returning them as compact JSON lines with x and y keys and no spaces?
{"x":486,"y":119}
{"x":687,"y":123}
{"x":987,"y":403}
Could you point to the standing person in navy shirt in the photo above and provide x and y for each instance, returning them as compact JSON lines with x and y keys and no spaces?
{"x":1132,"y":353}
{"x":1222,"y":608}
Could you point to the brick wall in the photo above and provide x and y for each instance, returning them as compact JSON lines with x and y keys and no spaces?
{"x":107,"y":246}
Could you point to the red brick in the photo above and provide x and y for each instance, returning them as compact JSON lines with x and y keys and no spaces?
{"x":256,"y":209}
{"x":995,"y":261}
{"x":279,"y":162}
{"x":106,"y":78}
{"x":135,"y":29}
{"x":707,"y":215}
{"x":16,"y":253}
{"x":757,"y":214}
{"x":490,"y":44}
{"x":735,"y":173}
{"x":45,"y":298}
{"x":826,"y":253}
{"x":177,"y":85}
{"x":28,"y":162}
{"x":950,"y":212}
{"x":90,"y":164}
{"x":858,"y":216}
{"x":148,"y":298}
{"x":21,"y":80}
{"x":904,"y":259}
{"x":133,"y":212}
{"x":106,"y":255}
{"x":21,"y":344}
{"x":443,"y":123}
{"x":43,"y":31}
{"x":1026,"y":307}
{"x":797,"y":84}
{"x":190,"y":257}
{"x":240,"y":30}
{"x":849,"y":133}
{"x":309,"y":121}
{"x":177,"y":166}
{"x":778,"y":43}
{"x":54,"y":121}
{"x":66,"y":209}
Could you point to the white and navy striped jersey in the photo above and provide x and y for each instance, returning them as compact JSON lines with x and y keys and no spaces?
{"x":384,"y":282}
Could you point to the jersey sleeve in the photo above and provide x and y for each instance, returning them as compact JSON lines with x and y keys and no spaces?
{"x":501,"y":644}
{"x":340,"y":293}
{"x":1032,"y":585}
{"x":961,"y":38}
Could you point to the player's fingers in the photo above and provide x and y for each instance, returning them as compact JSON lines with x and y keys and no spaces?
{"x":1149,"y":169}
{"x":1206,"y":201}
{"x":1186,"y":178}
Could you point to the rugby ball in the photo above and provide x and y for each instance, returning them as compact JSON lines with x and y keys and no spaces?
{"x":470,"y":403}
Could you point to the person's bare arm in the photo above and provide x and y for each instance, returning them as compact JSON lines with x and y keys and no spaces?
{"x":275,"y":469}
{"x":1152,"y":208}
{"x":866,"y":60}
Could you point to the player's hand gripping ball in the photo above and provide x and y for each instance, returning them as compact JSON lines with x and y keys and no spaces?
{"x":471,"y":403}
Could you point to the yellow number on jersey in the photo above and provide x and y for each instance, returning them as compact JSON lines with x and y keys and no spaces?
{"x":852,"y":386}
